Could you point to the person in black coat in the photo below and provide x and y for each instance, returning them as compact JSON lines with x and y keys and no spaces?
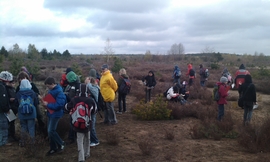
{"x":150,"y":82}
{"x":248,"y":90}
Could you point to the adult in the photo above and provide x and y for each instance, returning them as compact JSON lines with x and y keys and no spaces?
{"x":203,"y":78}
{"x":240,"y":75}
{"x":56,"y":143}
{"x":122,"y":107}
{"x":5,"y":76}
{"x":150,"y":82}
{"x":223,"y":93}
{"x":248,"y":89}
{"x":176,"y":74}
{"x":108,"y":87}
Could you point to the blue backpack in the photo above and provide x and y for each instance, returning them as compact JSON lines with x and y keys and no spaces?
{"x":177,"y":73}
{"x":26,"y":105}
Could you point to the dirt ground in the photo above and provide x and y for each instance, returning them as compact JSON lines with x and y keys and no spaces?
{"x":131,"y":131}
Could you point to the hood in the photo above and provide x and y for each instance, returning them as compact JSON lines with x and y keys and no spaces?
{"x":248,"y":79}
{"x":242,"y":66}
{"x":151,"y":72}
{"x":189,"y":66}
{"x":25,"y":84}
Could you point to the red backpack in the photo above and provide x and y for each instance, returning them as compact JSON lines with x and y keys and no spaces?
{"x":81,"y":116}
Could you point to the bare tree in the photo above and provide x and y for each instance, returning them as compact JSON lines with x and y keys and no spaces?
{"x":177,"y":49}
{"x":108,"y":50}
{"x":208,"y":49}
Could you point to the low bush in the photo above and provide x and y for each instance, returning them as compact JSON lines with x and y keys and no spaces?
{"x":146,"y":145}
{"x":156,"y":110}
{"x":112,"y":137}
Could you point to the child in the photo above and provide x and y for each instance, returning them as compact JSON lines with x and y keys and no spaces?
{"x":56,"y":143}
{"x":83,"y":135}
{"x":150,"y":82}
{"x":28,"y":102}
{"x":223,"y":93}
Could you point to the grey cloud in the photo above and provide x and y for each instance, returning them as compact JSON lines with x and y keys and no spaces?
{"x":109,"y":5}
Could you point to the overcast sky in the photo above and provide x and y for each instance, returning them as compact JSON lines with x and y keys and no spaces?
{"x":134,"y":26}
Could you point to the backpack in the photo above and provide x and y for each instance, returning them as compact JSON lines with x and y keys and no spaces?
{"x":206,"y":73}
{"x":191,"y":72}
{"x":80,"y":116}
{"x":177,"y":73}
{"x":166,"y":93}
{"x":215,"y":94}
{"x":4,"y":101}
{"x":72,"y":91}
{"x":26,"y":105}
{"x":100,"y":103}
{"x":125,"y":86}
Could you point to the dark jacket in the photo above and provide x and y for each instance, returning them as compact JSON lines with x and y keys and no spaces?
{"x":4,"y":101}
{"x":121,"y":80}
{"x":91,"y":105}
{"x":250,"y":93}
{"x":59,"y":105}
{"x":12,"y":94}
{"x":150,"y":80}
{"x":223,"y":93}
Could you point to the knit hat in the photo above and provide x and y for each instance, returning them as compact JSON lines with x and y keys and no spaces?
{"x":104,"y":66}
{"x":71,"y":77}
{"x":93,"y":73}
{"x":6,"y":76}
{"x":68,"y":70}
{"x":223,"y":79}
{"x":25,"y":84}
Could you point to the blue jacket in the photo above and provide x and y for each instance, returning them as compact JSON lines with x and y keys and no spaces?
{"x":32,"y":94}
{"x":58,"y":106}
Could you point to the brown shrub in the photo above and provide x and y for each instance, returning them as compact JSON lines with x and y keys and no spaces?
{"x":169,"y":133}
{"x":146,"y":145}
{"x":248,"y":138}
{"x":196,"y":131}
{"x":182,"y":111}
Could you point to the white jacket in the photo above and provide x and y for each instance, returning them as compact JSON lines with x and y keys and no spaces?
{"x":171,"y":94}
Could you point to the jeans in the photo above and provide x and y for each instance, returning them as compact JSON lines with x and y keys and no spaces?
{"x":220,"y":111}
{"x":122,"y":98}
{"x":27,"y":125}
{"x":3,"y":129}
{"x":147,"y":95}
{"x":83,"y":145}
{"x":248,"y":109}
{"x":109,"y":114}
{"x":202,"y":83}
{"x":93,"y":135}
{"x":176,"y":80}
{"x":55,"y":140}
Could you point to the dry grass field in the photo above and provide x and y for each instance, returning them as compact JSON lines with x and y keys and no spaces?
{"x":134,"y":140}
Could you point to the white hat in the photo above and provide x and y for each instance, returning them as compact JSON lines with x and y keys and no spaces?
{"x":6,"y":76}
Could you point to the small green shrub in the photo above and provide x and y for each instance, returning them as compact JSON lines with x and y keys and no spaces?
{"x":156,"y":110}
{"x":214,"y":66}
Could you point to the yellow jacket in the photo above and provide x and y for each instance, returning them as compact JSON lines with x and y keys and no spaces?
{"x":108,"y":86}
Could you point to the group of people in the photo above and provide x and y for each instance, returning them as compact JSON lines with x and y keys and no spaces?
{"x":246,"y":89}
{"x":25,"y":100}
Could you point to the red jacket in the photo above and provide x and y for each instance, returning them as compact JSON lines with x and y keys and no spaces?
{"x":223,"y":93}
{"x":189,"y":68}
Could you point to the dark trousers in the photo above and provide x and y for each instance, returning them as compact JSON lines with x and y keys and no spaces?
{"x":147,"y":95}
{"x":122,"y":99}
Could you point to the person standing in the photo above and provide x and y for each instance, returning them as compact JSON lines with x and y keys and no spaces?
{"x":150,"y":82}
{"x":223,"y":93}
{"x":191,"y":74}
{"x":27,"y":97}
{"x":108,"y":87}
{"x":240,"y":75}
{"x":176,"y":74}
{"x":248,"y":89}
{"x":56,"y":143}
{"x":5,"y":76}
{"x":121,"y":96}
{"x":202,"y":76}
{"x":94,"y":89}
{"x":83,"y":134}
